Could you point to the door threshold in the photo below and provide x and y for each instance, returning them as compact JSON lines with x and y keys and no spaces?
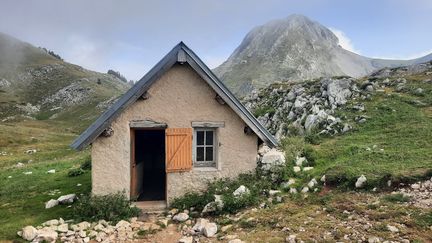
{"x":151,"y":206}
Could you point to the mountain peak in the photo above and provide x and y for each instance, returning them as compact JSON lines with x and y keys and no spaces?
{"x":289,"y":49}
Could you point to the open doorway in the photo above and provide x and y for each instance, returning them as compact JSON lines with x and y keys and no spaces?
{"x":149,"y":176}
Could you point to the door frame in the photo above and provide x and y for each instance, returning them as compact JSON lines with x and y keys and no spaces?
{"x":133,"y":176}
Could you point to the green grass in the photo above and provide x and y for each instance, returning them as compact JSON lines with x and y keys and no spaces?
{"x":23,"y":197}
{"x":394,"y":144}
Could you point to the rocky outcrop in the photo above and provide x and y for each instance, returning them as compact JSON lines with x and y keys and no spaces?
{"x":305,"y":107}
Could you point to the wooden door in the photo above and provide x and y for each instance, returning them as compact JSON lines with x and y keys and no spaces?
{"x":178,"y":147}
{"x":134,"y":187}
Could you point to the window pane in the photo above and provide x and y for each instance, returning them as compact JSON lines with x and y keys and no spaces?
{"x":200,"y":137}
{"x":209,"y":154}
{"x":209,"y":138}
{"x":200,"y":154}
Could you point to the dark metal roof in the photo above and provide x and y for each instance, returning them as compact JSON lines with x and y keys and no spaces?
{"x":182,"y":54}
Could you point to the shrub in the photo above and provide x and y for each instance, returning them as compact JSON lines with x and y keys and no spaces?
{"x":111,"y":207}
{"x":192,"y":199}
{"x":86,"y":165}
{"x":75,"y":172}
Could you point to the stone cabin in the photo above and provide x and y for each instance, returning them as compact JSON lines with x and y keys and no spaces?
{"x":172,"y":132}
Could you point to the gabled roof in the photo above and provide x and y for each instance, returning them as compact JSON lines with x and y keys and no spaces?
{"x":179,"y":54}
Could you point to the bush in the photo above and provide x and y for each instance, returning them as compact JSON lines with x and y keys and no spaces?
{"x":75,"y":172}
{"x":111,"y":207}
{"x":255,"y":182}
{"x":86,"y":165}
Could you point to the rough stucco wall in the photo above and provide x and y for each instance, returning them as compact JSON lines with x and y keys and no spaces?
{"x":179,"y":97}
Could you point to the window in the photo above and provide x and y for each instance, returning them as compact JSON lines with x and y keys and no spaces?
{"x":205,"y":147}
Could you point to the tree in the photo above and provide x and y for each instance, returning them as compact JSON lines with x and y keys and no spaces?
{"x":117,"y":75}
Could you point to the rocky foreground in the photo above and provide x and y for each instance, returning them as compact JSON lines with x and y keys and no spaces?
{"x":354,"y":216}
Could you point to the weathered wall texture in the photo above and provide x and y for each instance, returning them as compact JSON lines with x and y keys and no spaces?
{"x":179,"y":97}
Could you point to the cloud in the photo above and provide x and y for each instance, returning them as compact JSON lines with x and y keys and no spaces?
{"x":344,"y":40}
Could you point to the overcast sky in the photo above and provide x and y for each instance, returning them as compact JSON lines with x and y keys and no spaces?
{"x":131,"y":36}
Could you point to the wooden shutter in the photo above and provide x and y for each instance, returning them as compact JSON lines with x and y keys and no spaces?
{"x":178,"y":147}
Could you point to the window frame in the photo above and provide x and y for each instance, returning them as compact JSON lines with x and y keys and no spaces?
{"x":205,"y":163}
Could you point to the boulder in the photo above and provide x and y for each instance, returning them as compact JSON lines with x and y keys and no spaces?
{"x":210,"y":229}
{"x":51,"y":203}
{"x":300,"y":161}
{"x":46,"y":234}
{"x":240,"y":191}
{"x":272,"y":158}
{"x":360,"y":181}
{"x":29,"y":233}
{"x":392,"y":228}
{"x":186,"y":239}
{"x":181,"y":217}
{"x":66,"y":199}
{"x":199,"y":225}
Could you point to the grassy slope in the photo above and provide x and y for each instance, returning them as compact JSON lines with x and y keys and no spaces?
{"x":402,"y":132}
{"x":23,"y":197}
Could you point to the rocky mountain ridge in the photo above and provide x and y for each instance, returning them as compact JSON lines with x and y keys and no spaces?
{"x":292,"y":49}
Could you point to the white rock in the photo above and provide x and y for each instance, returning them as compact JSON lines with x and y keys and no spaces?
{"x":66,"y":199}
{"x":186,"y":239}
{"x":83,"y":226}
{"x":210,"y":230}
{"x":236,"y":241}
{"x":415,"y":186}
{"x":51,"y":203}
{"x":291,"y":239}
{"x":9,"y":177}
{"x":199,"y":225}
{"x":274,"y":192}
{"x":373,"y":239}
{"x":19,"y":165}
{"x":46,"y":234}
{"x":305,"y":189}
{"x":300,"y":161}
{"x":293,"y":190}
{"x":181,"y":217}
{"x":51,"y":171}
{"x":272,"y":158}
{"x":392,"y":228}
{"x":360,"y":181}
{"x":307,"y":168}
{"x":27,"y":173}
{"x":51,"y":222}
{"x":63,"y":228}
{"x":240,"y":191}
{"x":79,"y":184}
{"x":263,"y":149}
{"x":312,"y":183}
{"x":122,"y":224}
{"x":29,"y":233}
{"x":323,"y":179}
{"x":296,"y":169}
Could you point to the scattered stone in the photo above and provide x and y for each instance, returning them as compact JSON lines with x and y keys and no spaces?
{"x":66,"y":199}
{"x":240,"y":191}
{"x":226,"y":228}
{"x":46,"y":234}
{"x":51,"y":171}
{"x":19,"y":165}
{"x":274,"y":192}
{"x":51,"y":203}
{"x":300,"y":161}
{"x":27,"y":173}
{"x":360,"y":181}
{"x":307,"y":168}
{"x":291,"y":239}
{"x":29,"y":233}
{"x":272,"y":158}
{"x":296,"y":169}
{"x":293,"y":190}
{"x":392,"y":228}
{"x":186,"y":239}
{"x":181,"y":217}
{"x":210,"y":230}
{"x":305,"y":189}
{"x":323,"y":179}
